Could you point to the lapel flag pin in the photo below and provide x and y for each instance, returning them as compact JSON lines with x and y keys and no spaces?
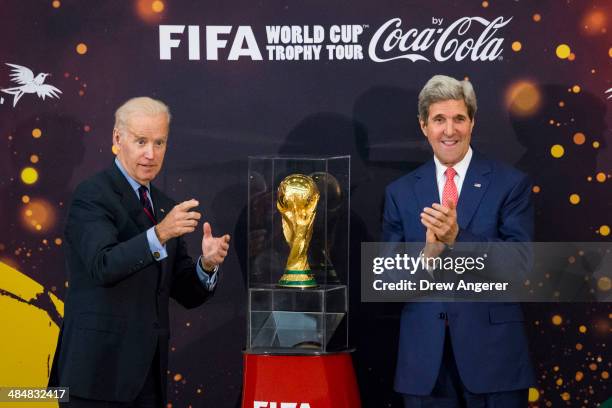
{"x":477,"y":185}
{"x":162,"y":210}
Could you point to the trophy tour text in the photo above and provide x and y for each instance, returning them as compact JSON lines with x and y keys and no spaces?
{"x":467,"y":38}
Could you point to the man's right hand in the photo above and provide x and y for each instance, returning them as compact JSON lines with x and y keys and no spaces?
{"x":433,"y":246}
{"x":179,"y":221}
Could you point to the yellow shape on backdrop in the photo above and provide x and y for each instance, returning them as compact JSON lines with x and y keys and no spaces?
{"x":29,"y":335}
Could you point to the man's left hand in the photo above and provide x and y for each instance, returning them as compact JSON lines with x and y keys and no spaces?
{"x":214,"y":250}
{"x":442,"y":220}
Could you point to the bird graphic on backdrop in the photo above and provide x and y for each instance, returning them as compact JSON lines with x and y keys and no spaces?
{"x":29,"y":84}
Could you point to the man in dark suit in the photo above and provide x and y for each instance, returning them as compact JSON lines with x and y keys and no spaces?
{"x":459,"y":354}
{"x":126,"y":257}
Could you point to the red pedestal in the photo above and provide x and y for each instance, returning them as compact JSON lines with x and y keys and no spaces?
{"x":303,"y":381}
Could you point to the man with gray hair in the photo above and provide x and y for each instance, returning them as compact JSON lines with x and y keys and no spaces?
{"x":126,"y":257}
{"x":459,"y":354}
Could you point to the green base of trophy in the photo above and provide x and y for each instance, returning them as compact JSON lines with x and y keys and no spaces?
{"x":297,"y":279}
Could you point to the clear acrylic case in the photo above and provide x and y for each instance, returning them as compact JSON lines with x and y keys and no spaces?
{"x":287,"y":320}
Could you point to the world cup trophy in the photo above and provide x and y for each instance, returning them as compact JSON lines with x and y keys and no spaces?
{"x":297,"y":200}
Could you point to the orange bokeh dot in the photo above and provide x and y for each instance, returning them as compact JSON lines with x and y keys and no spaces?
{"x":34,"y":158}
{"x":601,"y":177}
{"x":574,"y":199}
{"x":81,"y":48}
{"x":536,"y":189}
{"x":582,"y":329}
{"x":517,"y":46}
{"x":537,"y":17}
{"x":25,"y":199}
{"x":571,"y":57}
{"x":596,"y":144}
{"x":579,"y":138}
{"x":523,"y":98}
{"x":578,"y":347}
{"x":36,"y":133}
{"x":149,"y":11}
{"x":576,"y":88}
{"x":56,"y":4}
{"x":561,"y":104}
{"x":592,"y":366}
{"x":557,"y":151}
{"x":157,"y":6}
{"x":485,"y":4}
{"x":38,"y":214}
{"x":58,"y":241}
{"x":593,"y":22}
{"x":557,"y":320}
{"x":605,"y":375}
{"x":178,"y":377}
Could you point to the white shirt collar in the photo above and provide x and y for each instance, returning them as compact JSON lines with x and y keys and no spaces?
{"x":461,"y":167}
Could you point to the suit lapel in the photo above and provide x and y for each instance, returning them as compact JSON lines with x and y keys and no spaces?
{"x":129,"y":200}
{"x":476,"y":182}
{"x":426,"y":188}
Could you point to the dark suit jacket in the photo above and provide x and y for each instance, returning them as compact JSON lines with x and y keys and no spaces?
{"x":488,"y":339}
{"x":116,"y":309}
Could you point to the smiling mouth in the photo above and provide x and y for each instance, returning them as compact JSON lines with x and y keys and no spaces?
{"x":449,"y":143}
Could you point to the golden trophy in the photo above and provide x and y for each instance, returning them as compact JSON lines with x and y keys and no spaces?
{"x":297,"y":200}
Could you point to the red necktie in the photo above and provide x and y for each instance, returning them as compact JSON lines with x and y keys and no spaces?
{"x":450,"y":189}
{"x":146,"y":203}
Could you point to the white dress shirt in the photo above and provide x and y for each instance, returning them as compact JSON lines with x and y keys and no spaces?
{"x":461,"y":169}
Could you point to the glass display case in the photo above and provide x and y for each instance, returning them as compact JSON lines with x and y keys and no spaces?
{"x":298,"y":243}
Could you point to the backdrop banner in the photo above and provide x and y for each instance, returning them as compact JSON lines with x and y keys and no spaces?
{"x":247,"y":78}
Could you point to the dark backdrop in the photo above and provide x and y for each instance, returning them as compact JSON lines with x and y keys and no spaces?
{"x":224,"y":111}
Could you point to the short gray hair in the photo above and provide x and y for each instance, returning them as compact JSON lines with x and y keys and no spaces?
{"x":140,"y":105}
{"x":442,"y":88}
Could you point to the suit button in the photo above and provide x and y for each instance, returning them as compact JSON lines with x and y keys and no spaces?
{"x":442,"y":316}
{"x":156,"y":255}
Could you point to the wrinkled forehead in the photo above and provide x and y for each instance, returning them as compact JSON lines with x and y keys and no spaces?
{"x":152,"y":125}
{"x":448,"y":107}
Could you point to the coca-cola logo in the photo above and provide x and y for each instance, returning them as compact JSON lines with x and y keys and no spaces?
{"x":468,"y":37}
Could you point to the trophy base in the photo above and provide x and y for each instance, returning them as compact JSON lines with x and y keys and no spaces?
{"x":297,"y":279}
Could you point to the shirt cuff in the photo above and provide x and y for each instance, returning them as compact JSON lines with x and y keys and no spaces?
{"x":209,"y":281}
{"x":157,"y":249}
{"x":429,"y":269}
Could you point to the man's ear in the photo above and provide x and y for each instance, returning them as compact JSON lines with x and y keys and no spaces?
{"x":116,"y":138}
{"x":423,"y":125}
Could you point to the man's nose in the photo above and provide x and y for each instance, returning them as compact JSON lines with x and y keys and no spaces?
{"x":149,"y":151}
{"x":448,"y":130}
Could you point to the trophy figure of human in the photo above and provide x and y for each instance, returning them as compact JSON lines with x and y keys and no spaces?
{"x":297,"y":200}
